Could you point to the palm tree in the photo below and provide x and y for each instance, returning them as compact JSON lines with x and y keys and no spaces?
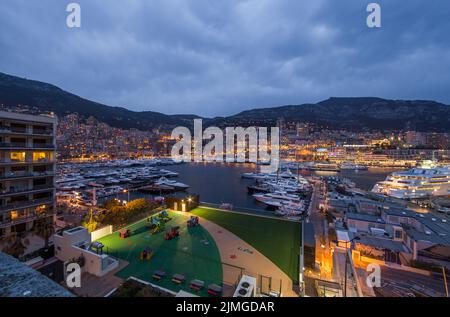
{"x":15,"y":245}
{"x":44,"y":230}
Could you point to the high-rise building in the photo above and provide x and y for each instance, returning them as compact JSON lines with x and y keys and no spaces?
{"x":27,"y":170}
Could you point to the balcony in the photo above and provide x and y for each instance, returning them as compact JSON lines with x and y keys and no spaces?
{"x":43,"y":146}
{"x":17,"y":221}
{"x":27,"y":204}
{"x":18,"y":162}
{"x":24,"y":219}
{"x":24,"y":174}
{"x":43,"y":160}
{"x":42,"y":132}
{"x":18,"y":130}
{"x":23,"y":145}
{"x":24,"y":190}
{"x":13,"y":145}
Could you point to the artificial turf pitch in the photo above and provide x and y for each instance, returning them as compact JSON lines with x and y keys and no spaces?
{"x":187,"y":254}
{"x":278,"y":240}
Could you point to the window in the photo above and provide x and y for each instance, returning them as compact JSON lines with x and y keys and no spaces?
{"x":39,"y":182}
{"x":39,"y":156}
{"x":17,"y":156}
{"x":14,"y":215}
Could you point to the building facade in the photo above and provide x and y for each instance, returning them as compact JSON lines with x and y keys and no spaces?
{"x":27,"y":170}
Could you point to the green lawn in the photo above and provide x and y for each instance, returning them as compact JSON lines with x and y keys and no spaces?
{"x":278,"y":240}
{"x":187,"y":254}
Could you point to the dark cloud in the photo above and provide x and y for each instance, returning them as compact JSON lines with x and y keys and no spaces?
{"x":220,"y":57}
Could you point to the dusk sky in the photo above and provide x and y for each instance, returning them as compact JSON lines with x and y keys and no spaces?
{"x":220,"y":57}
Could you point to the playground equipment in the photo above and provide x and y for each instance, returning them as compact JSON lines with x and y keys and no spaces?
{"x":193,"y":221}
{"x":164,"y":216}
{"x":155,"y":225}
{"x":157,"y":228}
{"x":124,"y":233}
{"x":173,"y":233}
{"x":147,"y":254}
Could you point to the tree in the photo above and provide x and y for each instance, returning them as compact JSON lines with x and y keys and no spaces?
{"x":91,"y":223}
{"x":16,"y":245}
{"x":44,"y":229}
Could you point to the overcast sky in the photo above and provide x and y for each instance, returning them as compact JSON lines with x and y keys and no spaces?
{"x":220,"y":57}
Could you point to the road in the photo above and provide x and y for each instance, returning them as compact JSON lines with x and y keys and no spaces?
{"x":318,"y":220}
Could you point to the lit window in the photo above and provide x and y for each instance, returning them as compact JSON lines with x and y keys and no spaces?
{"x":17,"y":156}
{"x":14,"y":215}
{"x":39,"y":156}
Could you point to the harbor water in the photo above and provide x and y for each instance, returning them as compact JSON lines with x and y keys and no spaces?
{"x":219,"y":183}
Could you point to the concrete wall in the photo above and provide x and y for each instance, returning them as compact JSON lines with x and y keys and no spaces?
{"x":100,"y":233}
{"x":67,"y":249}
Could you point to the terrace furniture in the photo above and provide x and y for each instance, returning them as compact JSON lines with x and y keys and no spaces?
{"x":193,"y":221}
{"x":196,"y":285}
{"x":178,"y":278}
{"x":158,"y":275}
{"x":124,"y":233}
{"x":172,"y":234}
{"x":214,"y":290}
{"x":147,"y":254}
{"x":164,"y":216}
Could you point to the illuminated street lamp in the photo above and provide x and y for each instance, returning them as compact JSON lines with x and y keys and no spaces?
{"x":346,"y":263}
{"x":127,"y":191}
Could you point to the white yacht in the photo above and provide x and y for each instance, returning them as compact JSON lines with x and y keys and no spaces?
{"x":276,"y":196}
{"x":291,"y":209}
{"x":172,"y":183}
{"x":291,"y":186}
{"x":352,"y":166}
{"x":418,"y":182}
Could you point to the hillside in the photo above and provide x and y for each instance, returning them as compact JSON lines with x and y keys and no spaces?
{"x":348,"y":113}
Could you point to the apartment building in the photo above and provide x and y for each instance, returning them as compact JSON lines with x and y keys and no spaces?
{"x":27,"y":170}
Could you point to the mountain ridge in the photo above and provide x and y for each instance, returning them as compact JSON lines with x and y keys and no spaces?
{"x":355,"y":113}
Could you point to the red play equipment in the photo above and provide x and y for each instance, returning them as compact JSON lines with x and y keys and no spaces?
{"x":147,"y":254}
{"x":172,"y":234}
{"x":193,"y":221}
{"x":124,"y":233}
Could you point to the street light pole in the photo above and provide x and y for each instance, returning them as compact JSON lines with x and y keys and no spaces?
{"x":346,"y":263}
{"x":345,"y":274}
{"x":302,"y":260}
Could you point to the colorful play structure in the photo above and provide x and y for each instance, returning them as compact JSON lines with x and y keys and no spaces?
{"x":193,"y":221}
{"x":147,"y":254}
{"x":155,"y":225}
{"x":124,"y":233}
{"x":172,"y":233}
{"x":164,"y":216}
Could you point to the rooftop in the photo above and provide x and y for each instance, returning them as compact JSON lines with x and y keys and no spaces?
{"x":27,"y":117}
{"x":364,"y":217}
{"x":432,"y":238}
{"x":382,"y":243}
{"x":19,"y":280}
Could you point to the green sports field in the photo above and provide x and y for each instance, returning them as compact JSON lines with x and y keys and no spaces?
{"x":194,"y":254}
{"x":278,"y":240}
